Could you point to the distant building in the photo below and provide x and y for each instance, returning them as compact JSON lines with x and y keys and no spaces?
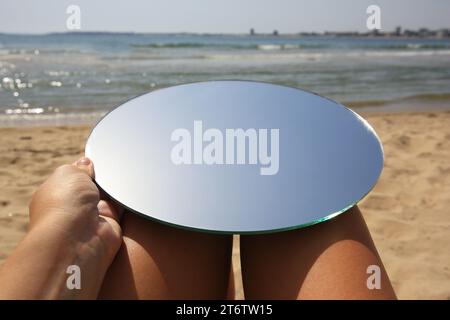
{"x":443,"y":33}
{"x":397,"y":32}
{"x":410,"y":33}
{"x":424,"y":32}
{"x":375,"y":33}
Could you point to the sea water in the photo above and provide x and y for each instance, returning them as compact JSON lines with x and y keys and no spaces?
{"x":77,"y":77}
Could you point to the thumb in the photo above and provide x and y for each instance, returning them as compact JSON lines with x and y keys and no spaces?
{"x":86,"y":165}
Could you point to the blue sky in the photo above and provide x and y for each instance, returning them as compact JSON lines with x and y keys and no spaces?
{"x":214,"y":16}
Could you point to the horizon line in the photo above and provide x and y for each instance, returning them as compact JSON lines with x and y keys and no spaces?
{"x":215,"y":33}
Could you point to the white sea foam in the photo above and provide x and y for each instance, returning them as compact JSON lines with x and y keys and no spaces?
{"x":402,"y":53}
{"x":270,"y":47}
{"x":272,"y":56}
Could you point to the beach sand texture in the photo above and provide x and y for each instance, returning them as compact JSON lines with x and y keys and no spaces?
{"x":408,"y":212}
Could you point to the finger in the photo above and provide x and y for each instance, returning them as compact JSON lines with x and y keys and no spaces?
{"x":117,"y":206}
{"x":86,"y":165}
{"x":110,"y":210}
{"x":113,"y":246}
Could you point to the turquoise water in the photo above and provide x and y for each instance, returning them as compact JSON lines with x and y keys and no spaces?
{"x":80,"y":76}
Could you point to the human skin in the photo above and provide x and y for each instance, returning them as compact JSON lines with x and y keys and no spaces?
{"x":69,"y":225}
{"x":161,"y":262}
{"x":325,"y":261}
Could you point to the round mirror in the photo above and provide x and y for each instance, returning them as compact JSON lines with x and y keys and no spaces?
{"x":235,"y":156}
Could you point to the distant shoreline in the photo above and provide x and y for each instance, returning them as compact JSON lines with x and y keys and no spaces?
{"x":326,"y":34}
{"x":420,"y":103}
{"x":89,"y":118}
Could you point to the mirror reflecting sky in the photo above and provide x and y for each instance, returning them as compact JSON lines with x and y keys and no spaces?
{"x":235,"y":156}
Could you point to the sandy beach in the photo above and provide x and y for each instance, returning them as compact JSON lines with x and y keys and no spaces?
{"x":408,"y":212}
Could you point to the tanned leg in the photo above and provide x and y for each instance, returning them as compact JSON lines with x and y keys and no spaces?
{"x":325,"y":261}
{"x":161,"y":262}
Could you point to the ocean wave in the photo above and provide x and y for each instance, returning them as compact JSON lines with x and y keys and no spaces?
{"x":181,"y":45}
{"x":310,"y":56}
{"x":290,"y":46}
{"x":416,"y":46}
{"x":286,"y":46}
{"x":316,"y":56}
{"x":235,"y":46}
{"x":388,"y":53}
{"x":405,"y":46}
{"x":5,"y":51}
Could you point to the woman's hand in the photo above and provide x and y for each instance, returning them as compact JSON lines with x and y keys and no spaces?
{"x":69,"y":203}
{"x":69,"y":225}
